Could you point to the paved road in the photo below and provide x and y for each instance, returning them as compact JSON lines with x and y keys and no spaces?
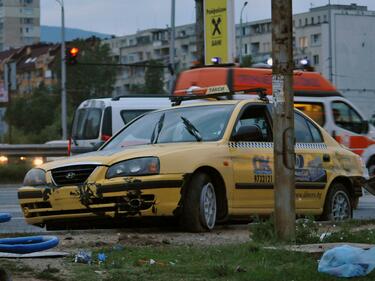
{"x":9,"y":203}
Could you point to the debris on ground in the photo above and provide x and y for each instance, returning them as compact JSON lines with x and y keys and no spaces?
{"x":149,"y":262}
{"x":83,"y":257}
{"x":347,"y":261}
{"x":101,"y":258}
{"x":240,"y":269}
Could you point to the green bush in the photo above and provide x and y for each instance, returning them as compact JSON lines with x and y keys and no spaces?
{"x":13,"y":172}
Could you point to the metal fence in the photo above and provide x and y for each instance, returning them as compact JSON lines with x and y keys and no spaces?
{"x":39,"y":150}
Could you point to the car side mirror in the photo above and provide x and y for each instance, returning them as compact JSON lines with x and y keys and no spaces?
{"x":248,"y":133}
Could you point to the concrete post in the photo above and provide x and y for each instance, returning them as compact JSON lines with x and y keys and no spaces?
{"x":283,"y":119}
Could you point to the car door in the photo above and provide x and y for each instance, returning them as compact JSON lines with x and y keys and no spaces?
{"x":312,"y":163}
{"x":252,"y":160}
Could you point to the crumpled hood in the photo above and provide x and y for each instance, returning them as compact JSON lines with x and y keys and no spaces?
{"x":109,"y":157}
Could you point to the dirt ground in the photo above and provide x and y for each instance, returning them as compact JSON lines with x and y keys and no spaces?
{"x":72,"y":242}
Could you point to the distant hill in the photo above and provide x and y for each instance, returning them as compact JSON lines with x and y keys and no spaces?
{"x":52,"y":34}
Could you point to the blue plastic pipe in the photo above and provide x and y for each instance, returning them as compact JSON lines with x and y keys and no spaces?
{"x":4,"y":217}
{"x":26,"y":245}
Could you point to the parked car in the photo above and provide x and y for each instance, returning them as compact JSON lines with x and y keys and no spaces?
{"x":313,"y":94}
{"x":202,"y":163}
{"x":97,"y":120}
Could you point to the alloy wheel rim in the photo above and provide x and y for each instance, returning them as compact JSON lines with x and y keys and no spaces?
{"x":340,"y":206}
{"x":208,"y":205}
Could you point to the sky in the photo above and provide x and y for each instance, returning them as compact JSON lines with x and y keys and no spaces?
{"x":123,"y":17}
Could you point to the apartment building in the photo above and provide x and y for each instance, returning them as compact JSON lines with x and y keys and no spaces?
{"x":151,"y":44}
{"x":337,"y":40}
{"x":19,"y":23}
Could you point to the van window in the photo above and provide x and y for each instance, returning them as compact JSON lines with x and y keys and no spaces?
{"x":346,"y":117}
{"x":314,"y":110}
{"x":86,"y":123}
{"x":128,"y":115}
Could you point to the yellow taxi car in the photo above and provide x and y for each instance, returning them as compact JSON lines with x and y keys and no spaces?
{"x":201,"y":162}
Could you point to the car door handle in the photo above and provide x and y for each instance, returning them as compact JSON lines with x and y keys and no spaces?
{"x":326,"y":158}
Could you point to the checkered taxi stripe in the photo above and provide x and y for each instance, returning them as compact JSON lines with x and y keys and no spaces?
{"x":264,"y":145}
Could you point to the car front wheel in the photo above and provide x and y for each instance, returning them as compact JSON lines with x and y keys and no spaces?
{"x":200,"y":206}
{"x":338,"y":206}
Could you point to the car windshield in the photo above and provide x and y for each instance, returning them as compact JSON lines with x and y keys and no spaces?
{"x":185,"y":124}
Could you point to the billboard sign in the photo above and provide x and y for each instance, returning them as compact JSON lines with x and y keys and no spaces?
{"x":219,"y":30}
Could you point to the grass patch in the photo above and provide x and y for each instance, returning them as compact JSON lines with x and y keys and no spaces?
{"x":50,"y":273}
{"x":13,"y":172}
{"x":308,"y":232}
{"x":233,"y":262}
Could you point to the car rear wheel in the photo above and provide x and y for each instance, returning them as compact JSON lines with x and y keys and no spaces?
{"x":338,"y":206}
{"x":200,"y":206}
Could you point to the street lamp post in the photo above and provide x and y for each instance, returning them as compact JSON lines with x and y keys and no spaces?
{"x":63,"y":74}
{"x":240,"y":53}
{"x":172,"y":44}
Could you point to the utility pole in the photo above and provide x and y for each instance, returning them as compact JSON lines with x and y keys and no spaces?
{"x":199,"y":29}
{"x":63,"y":74}
{"x":283,"y":119}
{"x":172,"y":44}
{"x":330,"y":65}
{"x":241,"y":33}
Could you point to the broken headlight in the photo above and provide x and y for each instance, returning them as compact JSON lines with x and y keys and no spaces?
{"x":35,"y":177}
{"x":134,"y":167}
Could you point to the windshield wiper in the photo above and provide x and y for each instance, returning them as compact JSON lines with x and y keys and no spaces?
{"x":158,"y":127}
{"x":191,"y":129}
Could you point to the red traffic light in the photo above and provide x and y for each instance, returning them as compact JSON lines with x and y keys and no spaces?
{"x":74,"y":51}
{"x":71,"y":55}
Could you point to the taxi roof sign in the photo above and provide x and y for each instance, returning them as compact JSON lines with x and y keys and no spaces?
{"x":217,"y":89}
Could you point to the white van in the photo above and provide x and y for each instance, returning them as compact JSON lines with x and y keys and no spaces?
{"x":97,"y":120}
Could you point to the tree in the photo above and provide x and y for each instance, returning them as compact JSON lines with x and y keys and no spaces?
{"x":247,"y":61}
{"x":90,"y":77}
{"x":154,"y":78}
{"x":33,"y":117}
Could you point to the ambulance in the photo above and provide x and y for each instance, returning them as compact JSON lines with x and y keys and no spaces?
{"x":313,"y":95}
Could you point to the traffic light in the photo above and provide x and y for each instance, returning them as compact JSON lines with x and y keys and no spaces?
{"x":72,"y":55}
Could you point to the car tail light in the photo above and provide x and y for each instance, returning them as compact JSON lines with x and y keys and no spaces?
{"x":105,"y":137}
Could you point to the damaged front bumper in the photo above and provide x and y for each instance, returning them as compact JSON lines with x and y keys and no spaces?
{"x":144,"y":196}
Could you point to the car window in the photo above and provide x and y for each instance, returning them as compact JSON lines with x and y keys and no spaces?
{"x":301,"y":129}
{"x":128,"y":115}
{"x":185,"y":124}
{"x":346,"y":117}
{"x":315,"y":132}
{"x":86,"y":123}
{"x":256,"y":116}
{"x":314,"y":110}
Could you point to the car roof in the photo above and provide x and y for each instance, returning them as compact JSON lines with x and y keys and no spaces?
{"x":211,"y":102}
